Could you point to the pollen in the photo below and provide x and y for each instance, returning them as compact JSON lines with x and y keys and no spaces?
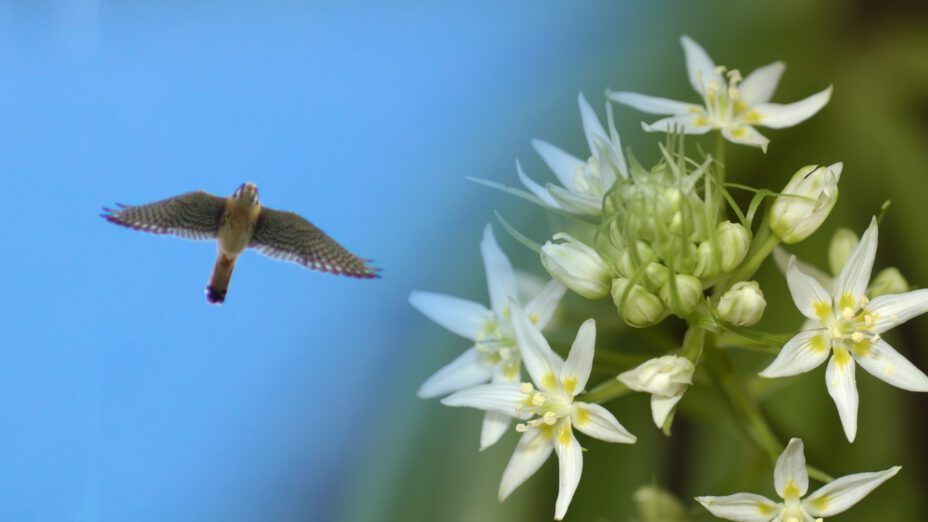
{"x":526,"y":387}
{"x":538,"y":399}
{"x":549,"y":418}
{"x":521,"y":427}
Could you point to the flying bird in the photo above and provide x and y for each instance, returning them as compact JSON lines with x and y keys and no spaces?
{"x":239,"y":222}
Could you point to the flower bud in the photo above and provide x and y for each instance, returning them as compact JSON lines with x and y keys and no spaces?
{"x":743,"y":304}
{"x":805,"y":202}
{"x":640,"y":307}
{"x":628,"y":264}
{"x":578,"y":266}
{"x":688,"y":294}
{"x":656,"y":275}
{"x":842,"y":244}
{"x":734,"y":242}
{"x":707,"y":265}
{"x":888,"y":281}
{"x":657,"y":505}
{"x":665,"y":376}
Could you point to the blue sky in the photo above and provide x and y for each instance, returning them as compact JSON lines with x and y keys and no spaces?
{"x":123,"y":395}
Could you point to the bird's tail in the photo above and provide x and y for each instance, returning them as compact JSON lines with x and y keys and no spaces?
{"x":219,"y":281}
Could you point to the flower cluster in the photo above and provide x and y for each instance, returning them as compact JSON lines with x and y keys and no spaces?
{"x":669,"y":240}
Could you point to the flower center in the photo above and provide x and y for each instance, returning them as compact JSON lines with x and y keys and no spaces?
{"x":545,"y":408}
{"x":853,"y":323}
{"x":724,"y":104}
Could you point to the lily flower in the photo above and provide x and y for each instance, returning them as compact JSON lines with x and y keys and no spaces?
{"x":848,"y":325}
{"x":548,"y":409}
{"x":495,"y":355}
{"x":730,"y":104}
{"x":792,"y":482}
{"x":582,"y":183}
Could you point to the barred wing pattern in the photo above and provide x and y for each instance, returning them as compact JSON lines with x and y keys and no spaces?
{"x":289,"y":237}
{"x":194,"y":215}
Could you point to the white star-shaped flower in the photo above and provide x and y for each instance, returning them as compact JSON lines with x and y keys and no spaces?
{"x":495,"y":355}
{"x":792,"y":482}
{"x":848,"y":325}
{"x":582,"y":183}
{"x":548,"y":409}
{"x":733,"y":106}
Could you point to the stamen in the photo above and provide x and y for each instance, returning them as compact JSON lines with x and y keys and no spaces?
{"x":521,"y":427}
{"x":538,"y":399}
{"x":526,"y":387}
{"x":550,"y":418}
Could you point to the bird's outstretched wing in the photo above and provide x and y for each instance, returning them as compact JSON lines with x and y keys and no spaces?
{"x":194,"y":215}
{"x":289,"y":237}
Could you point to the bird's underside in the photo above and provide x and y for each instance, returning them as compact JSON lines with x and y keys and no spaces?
{"x":240,"y":222}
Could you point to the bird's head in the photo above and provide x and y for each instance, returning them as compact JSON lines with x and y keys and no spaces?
{"x":246,"y":193}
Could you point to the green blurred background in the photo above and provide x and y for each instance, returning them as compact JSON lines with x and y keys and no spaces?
{"x":420,"y":460}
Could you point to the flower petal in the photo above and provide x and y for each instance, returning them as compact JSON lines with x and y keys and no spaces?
{"x":501,"y":278}
{"x":542,"y":363}
{"x":743,"y":507}
{"x":542,"y":307}
{"x":805,"y":351}
{"x":685,"y":123}
{"x":746,"y":135}
{"x":533,"y":450}
{"x":839,"y":495}
{"x":811,"y":299}
{"x":886,"y":364}
{"x":465,"y":371}
{"x":561,"y":163}
{"x":535,"y":188}
{"x":591,"y":125}
{"x":777,"y":116}
{"x":791,"y":469}
{"x":500,"y":397}
{"x":576,"y":370}
{"x":651,"y":104}
{"x":616,"y":143}
{"x":781,"y":257}
{"x":842,"y":386}
{"x":854,"y":278}
{"x":599,"y":423}
{"x":495,"y":424}
{"x":662,"y":406}
{"x":460,"y":316}
{"x":699,"y":66}
{"x":575,"y":202}
{"x":895,"y":309}
{"x":758,"y":87}
{"x":570,"y":466}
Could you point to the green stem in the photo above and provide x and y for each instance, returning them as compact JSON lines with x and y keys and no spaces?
{"x":720,"y":156}
{"x":611,"y":389}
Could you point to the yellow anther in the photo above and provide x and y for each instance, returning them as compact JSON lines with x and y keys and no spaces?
{"x":847,"y":312}
{"x":720,"y":69}
{"x":526,"y":387}
{"x":521,"y":428}
{"x":857,"y":337}
{"x":550,"y":418}
{"x":538,"y":399}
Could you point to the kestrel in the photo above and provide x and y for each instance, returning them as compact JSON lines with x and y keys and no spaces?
{"x":239,"y":222}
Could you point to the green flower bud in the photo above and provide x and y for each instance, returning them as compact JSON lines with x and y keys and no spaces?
{"x":578,"y":266}
{"x":657,"y":505}
{"x":688,"y":294}
{"x":743,"y":304}
{"x":640,"y":307}
{"x":842,"y":244}
{"x":805,"y":202}
{"x":707,"y":265}
{"x":627,"y":264}
{"x":888,"y":281}
{"x":734,"y":242}
{"x":656,"y":276}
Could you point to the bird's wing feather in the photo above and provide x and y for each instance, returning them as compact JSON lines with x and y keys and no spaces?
{"x":289,"y":237}
{"x":194,"y":215}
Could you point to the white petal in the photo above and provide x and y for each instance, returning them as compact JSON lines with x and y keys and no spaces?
{"x":685,"y":123}
{"x":543,"y":306}
{"x":501,"y":279}
{"x":576,"y":202}
{"x":495,"y":424}
{"x":542,"y":363}
{"x":839,"y":495}
{"x":576,"y":370}
{"x":777,"y":116}
{"x":460,"y":316}
{"x":561,"y":163}
{"x":500,"y":397}
{"x":855,"y":276}
{"x":652,"y":104}
{"x":743,"y":507}
{"x":599,"y":423}
{"x":886,"y":364}
{"x":661,"y":408}
{"x":758,"y":87}
{"x":805,"y":351}
{"x":746,"y":135}
{"x":570,"y":465}
{"x":591,"y":124}
{"x":895,"y":309}
{"x":811,"y":299}
{"x":842,"y":386}
{"x":699,"y":66}
{"x":465,"y":371}
{"x":616,"y":143}
{"x":533,"y":450}
{"x":535,"y":188}
{"x":781,"y":258}
{"x":791,"y":467}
